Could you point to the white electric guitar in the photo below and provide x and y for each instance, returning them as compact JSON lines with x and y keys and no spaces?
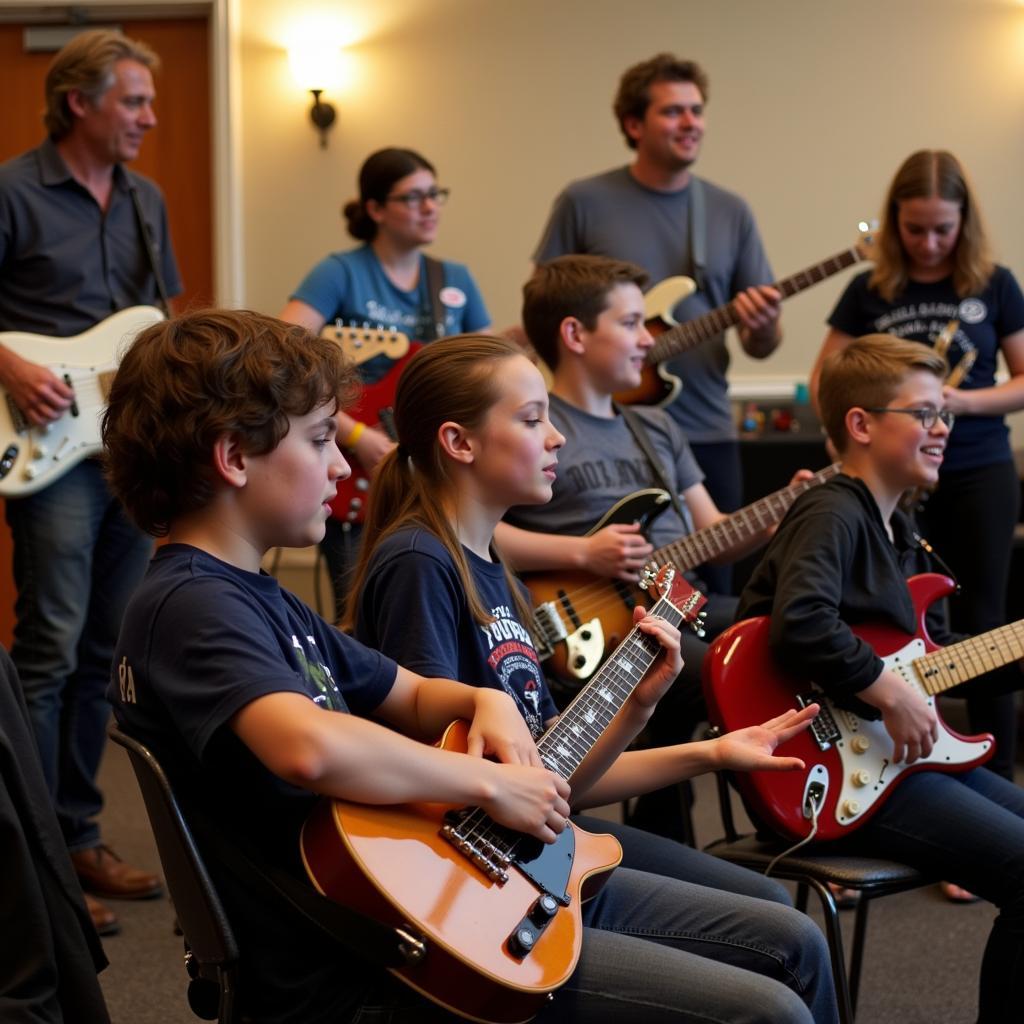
{"x":33,"y":457}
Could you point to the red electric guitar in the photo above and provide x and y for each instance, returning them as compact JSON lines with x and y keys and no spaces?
{"x":850,"y":770}
{"x":494,"y":914}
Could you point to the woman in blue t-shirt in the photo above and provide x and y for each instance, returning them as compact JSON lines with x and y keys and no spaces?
{"x":934,"y":266}
{"x":474,"y":439}
{"x":384,"y":282}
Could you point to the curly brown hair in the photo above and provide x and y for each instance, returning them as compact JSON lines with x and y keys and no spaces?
{"x":634,"y":95}
{"x":185,"y":382}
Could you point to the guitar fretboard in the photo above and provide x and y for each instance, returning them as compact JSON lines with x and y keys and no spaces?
{"x":737,"y":528}
{"x":564,"y":746}
{"x":959,"y":662}
{"x":685,"y":336}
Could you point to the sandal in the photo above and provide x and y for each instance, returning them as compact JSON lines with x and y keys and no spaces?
{"x":957,"y":894}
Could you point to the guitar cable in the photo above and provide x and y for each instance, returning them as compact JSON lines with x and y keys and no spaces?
{"x":813,"y":806}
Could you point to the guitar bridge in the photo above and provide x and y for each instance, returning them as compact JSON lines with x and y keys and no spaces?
{"x":491,"y":859}
{"x":824,"y":729}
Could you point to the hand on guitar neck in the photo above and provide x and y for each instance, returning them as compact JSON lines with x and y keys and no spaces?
{"x":758,"y":309}
{"x":35,"y":390}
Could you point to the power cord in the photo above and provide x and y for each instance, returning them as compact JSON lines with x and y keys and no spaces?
{"x":812,"y":808}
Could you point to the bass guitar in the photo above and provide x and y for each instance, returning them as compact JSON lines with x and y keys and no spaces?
{"x":850,"y":768}
{"x":660,"y":387}
{"x":32,"y":457}
{"x":496,"y":914}
{"x":578,"y":615}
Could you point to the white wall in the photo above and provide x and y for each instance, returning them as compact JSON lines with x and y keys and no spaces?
{"x":812,"y":107}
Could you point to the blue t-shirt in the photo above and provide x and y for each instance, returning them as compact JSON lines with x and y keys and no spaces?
{"x":920,"y":312}
{"x":414,"y":609}
{"x":352,"y":286}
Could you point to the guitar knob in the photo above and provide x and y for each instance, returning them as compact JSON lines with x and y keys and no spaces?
{"x":851,"y":808}
{"x":579,"y":661}
{"x":31,"y":471}
{"x":362,"y":484}
{"x":355,"y":504}
{"x":40,"y":451}
{"x":543,"y":910}
{"x":586,"y":634}
{"x":860,"y":744}
{"x":861,"y":777}
{"x":521,"y":941}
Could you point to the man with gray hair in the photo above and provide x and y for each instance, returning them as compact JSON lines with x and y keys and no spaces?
{"x":81,"y":237}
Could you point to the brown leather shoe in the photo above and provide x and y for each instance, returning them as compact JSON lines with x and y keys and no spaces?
{"x":104,"y":920}
{"x":103,"y":873}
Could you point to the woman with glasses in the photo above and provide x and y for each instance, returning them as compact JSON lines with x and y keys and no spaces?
{"x":387,"y":281}
{"x":934,"y":266}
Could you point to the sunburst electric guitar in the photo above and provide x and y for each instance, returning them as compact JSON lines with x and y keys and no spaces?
{"x":850,"y":768}
{"x":658,"y":386}
{"x":577,"y":615}
{"x":495,"y":914}
{"x":32,"y":457}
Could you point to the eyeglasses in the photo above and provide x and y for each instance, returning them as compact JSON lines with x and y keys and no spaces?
{"x":417,"y":197}
{"x":927,"y":415}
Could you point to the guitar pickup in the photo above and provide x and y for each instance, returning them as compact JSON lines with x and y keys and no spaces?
{"x":7,"y":460}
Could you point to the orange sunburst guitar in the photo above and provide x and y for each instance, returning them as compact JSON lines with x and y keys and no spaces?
{"x":494,"y":914}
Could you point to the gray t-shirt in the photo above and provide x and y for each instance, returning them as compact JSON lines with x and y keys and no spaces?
{"x":613,"y":215}
{"x":601,"y":463}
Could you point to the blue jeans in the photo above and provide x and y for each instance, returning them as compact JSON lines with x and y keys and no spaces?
{"x":968,"y":829}
{"x":77,"y":560}
{"x":663,"y":946}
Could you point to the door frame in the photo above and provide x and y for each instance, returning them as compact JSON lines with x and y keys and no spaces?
{"x":225,"y":114}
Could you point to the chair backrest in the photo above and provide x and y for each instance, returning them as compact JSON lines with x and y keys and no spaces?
{"x":199,"y":909}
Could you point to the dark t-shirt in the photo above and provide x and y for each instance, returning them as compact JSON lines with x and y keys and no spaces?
{"x":200,"y":640}
{"x":920,"y":312}
{"x":66,"y":264}
{"x":413,"y":608}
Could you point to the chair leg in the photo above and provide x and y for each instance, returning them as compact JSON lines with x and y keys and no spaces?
{"x":834,"y":934}
{"x":801,"y":897}
{"x":226,"y":1013}
{"x":857,"y":955}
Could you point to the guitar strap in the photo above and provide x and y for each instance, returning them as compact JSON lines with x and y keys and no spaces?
{"x":639,"y":432}
{"x":435,"y":282}
{"x":361,"y":935}
{"x":149,"y":244}
{"x":698,"y":235}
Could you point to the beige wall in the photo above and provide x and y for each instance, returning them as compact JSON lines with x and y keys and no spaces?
{"x":812,"y":107}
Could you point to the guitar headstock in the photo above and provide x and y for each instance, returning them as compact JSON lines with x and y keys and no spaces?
{"x":867,"y":240}
{"x":672,"y":586}
{"x":361,"y":343}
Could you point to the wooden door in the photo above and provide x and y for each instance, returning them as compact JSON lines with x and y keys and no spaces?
{"x":176,"y":154}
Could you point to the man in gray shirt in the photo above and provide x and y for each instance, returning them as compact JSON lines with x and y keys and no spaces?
{"x":642,"y":213}
{"x":72,"y":251}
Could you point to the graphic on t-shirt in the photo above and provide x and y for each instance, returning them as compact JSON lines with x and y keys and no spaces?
{"x":515,"y":664}
{"x":318,"y":675}
{"x":623,"y":474}
{"x":415,"y":325}
{"x":921,"y":321}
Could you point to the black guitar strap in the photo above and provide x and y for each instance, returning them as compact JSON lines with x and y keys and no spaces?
{"x":149,"y":244}
{"x":435,"y":282}
{"x":698,"y":235}
{"x":639,"y":432}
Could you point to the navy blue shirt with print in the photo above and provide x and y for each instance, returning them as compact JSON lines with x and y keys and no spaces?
{"x":413,"y":608}
{"x":920,"y":312}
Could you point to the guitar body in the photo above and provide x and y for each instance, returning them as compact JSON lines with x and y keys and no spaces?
{"x":848,"y":759}
{"x":32,"y":458}
{"x":392,"y":864}
{"x":598,"y":610}
{"x":657,"y":385}
{"x":372,"y":408}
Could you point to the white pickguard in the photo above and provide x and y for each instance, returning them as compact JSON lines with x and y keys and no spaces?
{"x":32,"y":457}
{"x":869,"y":772}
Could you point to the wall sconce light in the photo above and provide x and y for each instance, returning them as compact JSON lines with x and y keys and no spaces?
{"x":315,"y":66}
{"x":322,"y":115}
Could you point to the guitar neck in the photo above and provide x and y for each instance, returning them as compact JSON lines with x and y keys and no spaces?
{"x":685,"y":336}
{"x":564,"y":746}
{"x":959,"y":662}
{"x":736,"y":529}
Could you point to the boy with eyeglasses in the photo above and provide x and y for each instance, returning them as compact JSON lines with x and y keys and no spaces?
{"x":841,"y":557}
